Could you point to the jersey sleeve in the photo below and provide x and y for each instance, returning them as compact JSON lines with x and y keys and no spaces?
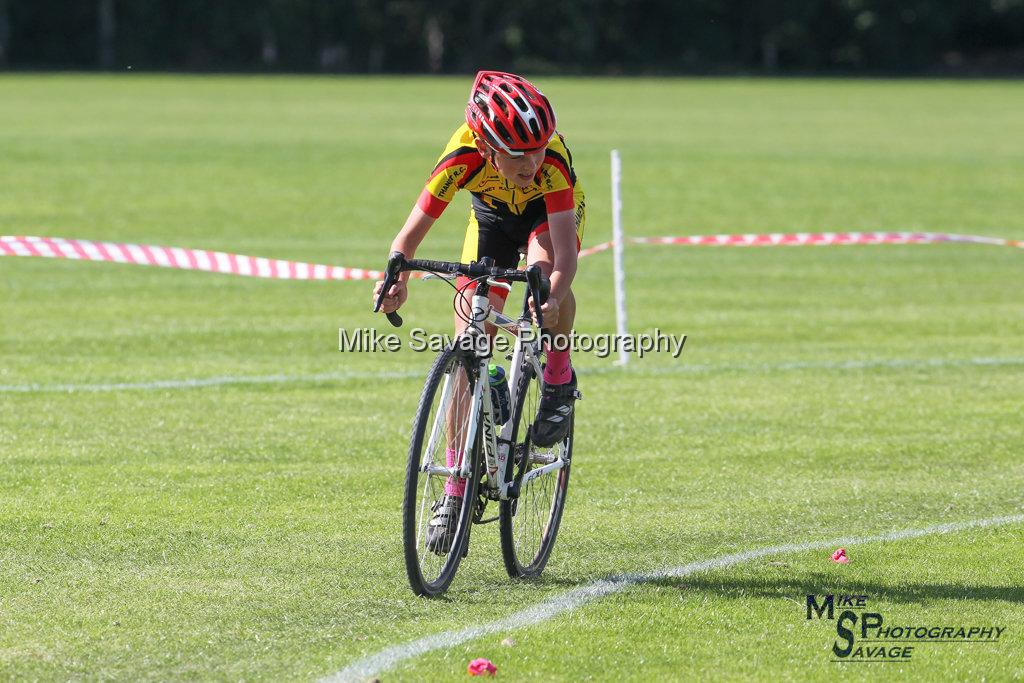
{"x":557,"y":178}
{"x":458,"y":163}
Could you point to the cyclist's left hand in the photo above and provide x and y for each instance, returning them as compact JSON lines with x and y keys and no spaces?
{"x":550,"y":310}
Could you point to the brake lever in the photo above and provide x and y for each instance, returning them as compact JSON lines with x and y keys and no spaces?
{"x":533,"y":280}
{"x":395,"y":262}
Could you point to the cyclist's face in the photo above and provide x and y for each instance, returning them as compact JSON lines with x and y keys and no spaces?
{"x":519,"y":170}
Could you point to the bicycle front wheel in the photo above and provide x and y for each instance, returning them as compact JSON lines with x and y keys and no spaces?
{"x":529,"y":523}
{"x":433,"y":551}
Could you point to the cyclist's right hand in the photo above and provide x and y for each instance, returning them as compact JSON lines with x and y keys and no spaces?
{"x":394,"y":299}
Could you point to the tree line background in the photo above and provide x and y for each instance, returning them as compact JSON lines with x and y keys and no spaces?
{"x":568,"y":36}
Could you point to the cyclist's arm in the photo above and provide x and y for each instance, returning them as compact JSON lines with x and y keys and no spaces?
{"x":407,"y":241}
{"x":562,"y":228}
{"x":557,"y":181}
{"x":411,"y":235}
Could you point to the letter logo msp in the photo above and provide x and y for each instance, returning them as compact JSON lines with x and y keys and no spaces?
{"x":813,"y":606}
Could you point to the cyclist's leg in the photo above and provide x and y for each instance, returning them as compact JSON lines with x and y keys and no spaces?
{"x":554,"y":415}
{"x":483,"y":238}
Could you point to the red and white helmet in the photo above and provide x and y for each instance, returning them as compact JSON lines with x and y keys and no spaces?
{"x":509,"y":113}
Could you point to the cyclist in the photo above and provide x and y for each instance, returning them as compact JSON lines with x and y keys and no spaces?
{"x":526,"y":200}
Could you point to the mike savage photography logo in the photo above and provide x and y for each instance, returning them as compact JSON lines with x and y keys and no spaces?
{"x":369,"y":340}
{"x":864,"y":635}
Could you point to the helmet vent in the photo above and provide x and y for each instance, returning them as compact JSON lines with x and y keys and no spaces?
{"x":502,"y":131}
{"x":543,"y":115}
{"x":520,"y":128}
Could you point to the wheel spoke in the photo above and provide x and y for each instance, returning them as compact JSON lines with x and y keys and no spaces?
{"x":438,"y":422}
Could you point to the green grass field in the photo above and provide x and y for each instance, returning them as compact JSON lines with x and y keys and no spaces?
{"x":251,"y":531}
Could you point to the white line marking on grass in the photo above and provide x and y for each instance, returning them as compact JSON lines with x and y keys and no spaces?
{"x":201,"y":382}
{"x":198,"y":383}
{"x":895,"y":363}
{"x":388,"y":658}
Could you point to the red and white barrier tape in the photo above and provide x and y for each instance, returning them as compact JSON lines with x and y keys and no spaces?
{"x":177,"y":257}
{"x":597,"y":248}
{"x":256,"y":266}
{"x":779,"y":239}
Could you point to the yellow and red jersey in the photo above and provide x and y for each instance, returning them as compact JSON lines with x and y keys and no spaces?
{"x":461,"y":167}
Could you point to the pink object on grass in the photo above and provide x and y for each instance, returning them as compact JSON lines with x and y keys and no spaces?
{"x":840,"y":556}
{"x":481,"y":667}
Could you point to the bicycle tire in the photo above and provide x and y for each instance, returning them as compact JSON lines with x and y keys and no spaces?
{"x":529,"y":523}
{"x":431,"y":573}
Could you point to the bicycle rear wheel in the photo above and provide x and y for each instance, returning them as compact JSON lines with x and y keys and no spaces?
{"x":442,"y":422}
{"x":529,"y":523}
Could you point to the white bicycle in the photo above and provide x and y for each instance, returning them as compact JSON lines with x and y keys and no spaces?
{"x":498,"y":462}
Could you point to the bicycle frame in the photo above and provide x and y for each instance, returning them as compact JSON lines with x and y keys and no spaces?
{"x":496,"y":447}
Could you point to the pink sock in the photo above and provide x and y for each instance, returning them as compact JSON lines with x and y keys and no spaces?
{"x":558,"y":370}
{"x":453,"y":487}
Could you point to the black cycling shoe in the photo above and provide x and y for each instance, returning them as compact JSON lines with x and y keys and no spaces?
{"x":555,"y":413}
{"x":442,"y":526}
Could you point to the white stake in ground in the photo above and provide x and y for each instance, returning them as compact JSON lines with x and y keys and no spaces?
{"x":618,"y":242}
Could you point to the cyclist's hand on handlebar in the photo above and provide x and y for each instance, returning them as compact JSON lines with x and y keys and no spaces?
{"x":550,"y":311}
{"x":395,"y":297}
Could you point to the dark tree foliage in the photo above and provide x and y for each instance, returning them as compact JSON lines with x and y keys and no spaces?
{"x":573,"y":36}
